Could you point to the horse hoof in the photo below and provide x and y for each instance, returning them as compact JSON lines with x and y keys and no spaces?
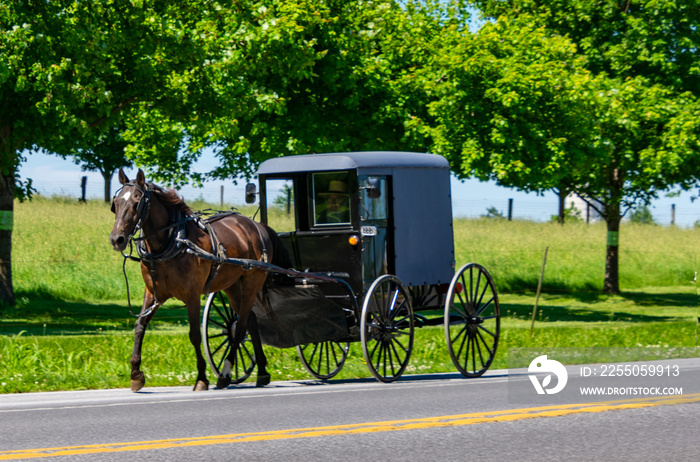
{"x":223,"y":382}
{"x":201,"y":385}
{"x":262,"y":380}
{"x":136,"y":385}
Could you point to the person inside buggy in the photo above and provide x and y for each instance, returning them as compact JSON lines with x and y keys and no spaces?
{"x":333,"y":205}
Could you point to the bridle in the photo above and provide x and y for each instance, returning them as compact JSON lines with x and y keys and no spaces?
{"x":142,"y":208}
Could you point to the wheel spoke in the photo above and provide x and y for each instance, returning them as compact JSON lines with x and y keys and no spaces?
{"x":492,"y":334}
{"x":223,"y":342}
{"x":224,"y":315}
{"x":484,"y":306}
{"x":223,"y":357}
{"x":463,"y":343}
{"x":219,"y":324}
{"x":484,"y":343}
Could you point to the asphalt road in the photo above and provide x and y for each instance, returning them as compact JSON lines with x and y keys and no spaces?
{"x":436,"y":417}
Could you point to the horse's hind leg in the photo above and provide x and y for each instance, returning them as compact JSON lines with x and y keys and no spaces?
{"x":260,"y":358}
{"x":234,"y":295}
{"x":242,"y":297}
{"x":243,"y":325}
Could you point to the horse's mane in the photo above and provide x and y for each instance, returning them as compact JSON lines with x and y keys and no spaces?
{"x":170,"y":198}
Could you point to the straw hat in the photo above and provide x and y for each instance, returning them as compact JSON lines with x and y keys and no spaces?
{"x":336,"y":187}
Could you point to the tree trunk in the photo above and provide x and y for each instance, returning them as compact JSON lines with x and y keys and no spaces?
{"x":562,"y":193}
{"x":7,"y":205}
{"x":108,"y":185}
{"x":611,"y":284}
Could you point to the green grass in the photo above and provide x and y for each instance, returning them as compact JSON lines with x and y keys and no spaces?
{"x":71,"y":328}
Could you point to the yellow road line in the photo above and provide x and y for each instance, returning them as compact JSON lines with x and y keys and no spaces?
{"x":393,"y":425}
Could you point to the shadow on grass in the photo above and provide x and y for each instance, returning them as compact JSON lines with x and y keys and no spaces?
{"x":43,"y":314}
{"x":689,"y":300}
{"x":585,"y":291}
{"x":591,"y":293}
{"x":554,"y":313}
{"x":581,"y":313}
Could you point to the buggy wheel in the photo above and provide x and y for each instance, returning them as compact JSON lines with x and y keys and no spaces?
{"x":386,"y":328}
{"x":472,"y":320}
{"x":323,"y":360}
{"x":218,"y":324}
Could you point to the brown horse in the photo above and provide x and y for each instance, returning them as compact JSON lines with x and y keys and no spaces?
{"x":169,"y":271}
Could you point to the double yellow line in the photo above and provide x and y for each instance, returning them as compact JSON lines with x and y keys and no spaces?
{"x":394,"y":425}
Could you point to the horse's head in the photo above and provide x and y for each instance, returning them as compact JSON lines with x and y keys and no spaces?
{"x":130,"y":206}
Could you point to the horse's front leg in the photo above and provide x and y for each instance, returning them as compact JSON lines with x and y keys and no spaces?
{"x":193,"y":309}
{"x":138,"y":379}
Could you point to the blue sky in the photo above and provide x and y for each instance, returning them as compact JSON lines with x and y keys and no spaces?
{"x":53,"y":175}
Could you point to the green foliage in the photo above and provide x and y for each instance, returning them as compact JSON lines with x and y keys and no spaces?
{"x":571,"y":214}
{"x":493,"y":212}
{"x":656,"y":39}
{"x":642,"y":215}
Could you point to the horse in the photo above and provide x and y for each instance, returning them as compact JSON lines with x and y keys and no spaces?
{"x":169,"y":271}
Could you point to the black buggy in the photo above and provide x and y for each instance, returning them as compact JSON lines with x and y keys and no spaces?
{"x":371,"y":242}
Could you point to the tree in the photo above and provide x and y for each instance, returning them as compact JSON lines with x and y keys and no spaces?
{"x":69,"y":69}
{"x":527,"y":109}
{"x":508,"y":106}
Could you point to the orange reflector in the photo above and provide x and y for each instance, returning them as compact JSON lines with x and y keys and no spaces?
{"x":353,"y":240}
{"x":459,"y":288}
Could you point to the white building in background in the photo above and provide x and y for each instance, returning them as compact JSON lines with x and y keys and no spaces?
{"x":586,"y":212}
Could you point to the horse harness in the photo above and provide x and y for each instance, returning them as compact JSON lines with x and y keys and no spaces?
{"x":177,"y":242}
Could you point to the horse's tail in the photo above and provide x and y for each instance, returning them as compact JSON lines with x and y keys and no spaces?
{"x":280,"y":257}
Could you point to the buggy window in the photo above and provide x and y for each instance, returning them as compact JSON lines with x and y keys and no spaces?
{"x":331,"y":199}
{"x":280,"y":204}
{"x":374,"y":208}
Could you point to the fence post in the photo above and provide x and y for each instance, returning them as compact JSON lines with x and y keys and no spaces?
{"x":510,"y":209}
{"x":588,"y":213}
{"x":539,"y":287}
{"x":289,"y":201}
{"x":83,"y":187}
{"x":673,"y":214}
{"x":221,"y":200}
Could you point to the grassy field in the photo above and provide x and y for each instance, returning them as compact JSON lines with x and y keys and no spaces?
{"x":71,"y":328}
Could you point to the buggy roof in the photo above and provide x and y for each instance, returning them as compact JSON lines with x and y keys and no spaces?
{"x":351,"y":161}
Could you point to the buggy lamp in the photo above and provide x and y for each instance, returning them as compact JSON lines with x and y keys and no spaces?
{"x":353,"y":240}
